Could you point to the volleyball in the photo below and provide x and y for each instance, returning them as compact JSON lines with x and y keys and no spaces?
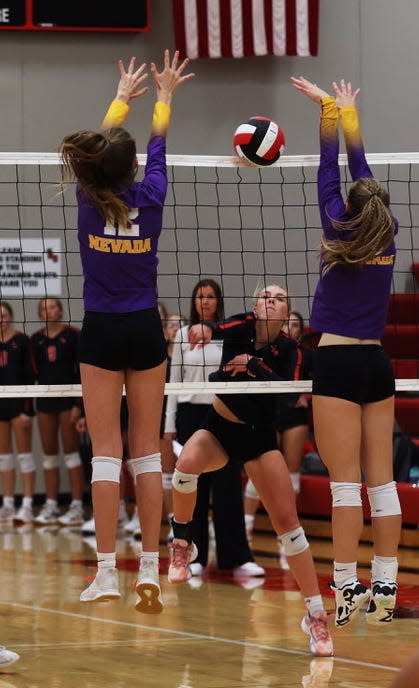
{"x":259,"y":141}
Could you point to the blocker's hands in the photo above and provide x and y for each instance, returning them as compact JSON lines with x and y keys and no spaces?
{"x":131,"y":80}
{"x":343,"y":93}
{"x":309,"y":89}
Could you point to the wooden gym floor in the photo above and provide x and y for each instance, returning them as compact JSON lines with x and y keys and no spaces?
{"x":215,"y":631}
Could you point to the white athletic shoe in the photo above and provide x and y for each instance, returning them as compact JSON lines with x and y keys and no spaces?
{"x":382,"y":603}
{"x":250,"y":568}
{"x":148,"y":588}
{"x":196,"y":568}
{"x":350,"y":599}
{"x":73,"y":516}
{"x":133,"y":524}
{"x":89,"y":527}
{"x":23,"y":515}
{"x":105,"y":586}
{"x":7,"y":657}
{"x":7,"y":513}
{"x":48,"y":515}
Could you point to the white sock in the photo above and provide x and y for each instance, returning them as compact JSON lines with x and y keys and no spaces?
{"x":344,"y":573}
{"x":106,"y":560}
{"x":8,"y":502}
{"x":314,"y":604}
{"x":150,"y":556}
{"x":27,"y":502}
{"x":384,"y":569}
{"x":51,"y":502}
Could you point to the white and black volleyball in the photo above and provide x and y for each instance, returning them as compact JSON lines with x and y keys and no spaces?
{"x":259,"y":141}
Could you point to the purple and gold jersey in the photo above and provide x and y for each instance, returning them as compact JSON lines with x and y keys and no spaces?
{"x":120,"y":263}
{"x":351,"y":302}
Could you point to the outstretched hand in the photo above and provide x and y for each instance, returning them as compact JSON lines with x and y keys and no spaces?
{"x":171,"y":76}
{"x":343,"y":93}
{"x":130,"y":81}
{"x":309,"y":89}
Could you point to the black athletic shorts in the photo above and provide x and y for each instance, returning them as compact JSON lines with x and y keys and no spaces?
{"x":55,"y":405}
{"x":292,"y":417}
{"x":361,"y":373}
{"x":122,"y":341}
{"x":239,"y":440}
{"x":12,"y":408}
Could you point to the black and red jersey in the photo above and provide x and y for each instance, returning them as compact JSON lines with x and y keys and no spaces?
{"x":16,"y":365}
{"x":55,"y":359}
{"x":282,"y":359}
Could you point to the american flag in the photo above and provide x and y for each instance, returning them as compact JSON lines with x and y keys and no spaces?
{"x":245,"y":28}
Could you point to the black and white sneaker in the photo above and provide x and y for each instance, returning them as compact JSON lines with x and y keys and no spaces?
{"x":349,"y":599}
{"x":382,"y":602}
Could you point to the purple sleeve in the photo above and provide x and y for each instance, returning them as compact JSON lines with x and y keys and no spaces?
{"x":154,"y":184}
{"x":331,"y":203}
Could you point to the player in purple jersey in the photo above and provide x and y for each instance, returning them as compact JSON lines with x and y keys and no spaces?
{"x":15,"y":419}
{"x":353,"y":383}
{"x":122,"y":341}
{"x":242,"y":427}
{"x":55,"y":356}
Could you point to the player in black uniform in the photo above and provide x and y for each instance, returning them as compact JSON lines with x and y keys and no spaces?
{"x":55,"y":355}
{"x":242,"y":426}
{"x":15,"y":419}
{"x":292,"y":431}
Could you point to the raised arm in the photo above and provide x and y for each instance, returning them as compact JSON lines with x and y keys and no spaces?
{"x":129,"y":87}
{"x":346,"y":102}
{"x":331,"y":203}
{"x":166,"y":84}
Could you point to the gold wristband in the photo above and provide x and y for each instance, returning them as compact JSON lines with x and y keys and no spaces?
{"x":116,"y":114}
{"x":161,"y":118}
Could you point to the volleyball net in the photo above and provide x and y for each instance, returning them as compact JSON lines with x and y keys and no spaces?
{"x":238,"y":225}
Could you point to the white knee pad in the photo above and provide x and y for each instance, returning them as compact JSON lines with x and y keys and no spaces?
{"x":184,"y":482}
{"x":27,"y":464}
{"x":6,"y":463}
{"x":294,"y":542}
{"x":346,"y":494}
{"x":50,"y":461}
{"x":166,"y":479}
{"x":384,"y":500}
{"x":72,"y":460}
{"x":146,"y":464}
{"x":250,"y":491}
{"x":106,"y":468}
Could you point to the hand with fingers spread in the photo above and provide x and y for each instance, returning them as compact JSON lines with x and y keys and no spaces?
{"x":170,"y":78}
{"x":131,"y":80}
{"x":309,"y":89}
{"x":343,"y":93}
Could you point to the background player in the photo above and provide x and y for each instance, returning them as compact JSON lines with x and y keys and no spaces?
{"x":15,"y":419}
{"x":55,"y":354}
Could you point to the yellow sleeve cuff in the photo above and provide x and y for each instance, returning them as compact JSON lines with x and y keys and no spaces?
{"x":161,"y":119}
{"x":350,"y":121}
{"x":116,"y":114}
{"x":329,"y":107}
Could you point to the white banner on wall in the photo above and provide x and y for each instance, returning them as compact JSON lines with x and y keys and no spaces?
{"x":30,"y":267}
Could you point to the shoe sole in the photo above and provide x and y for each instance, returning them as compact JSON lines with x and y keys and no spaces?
{"x":355,"y":612}
{"x":103,"y":597}
{"x":150,"y":601}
